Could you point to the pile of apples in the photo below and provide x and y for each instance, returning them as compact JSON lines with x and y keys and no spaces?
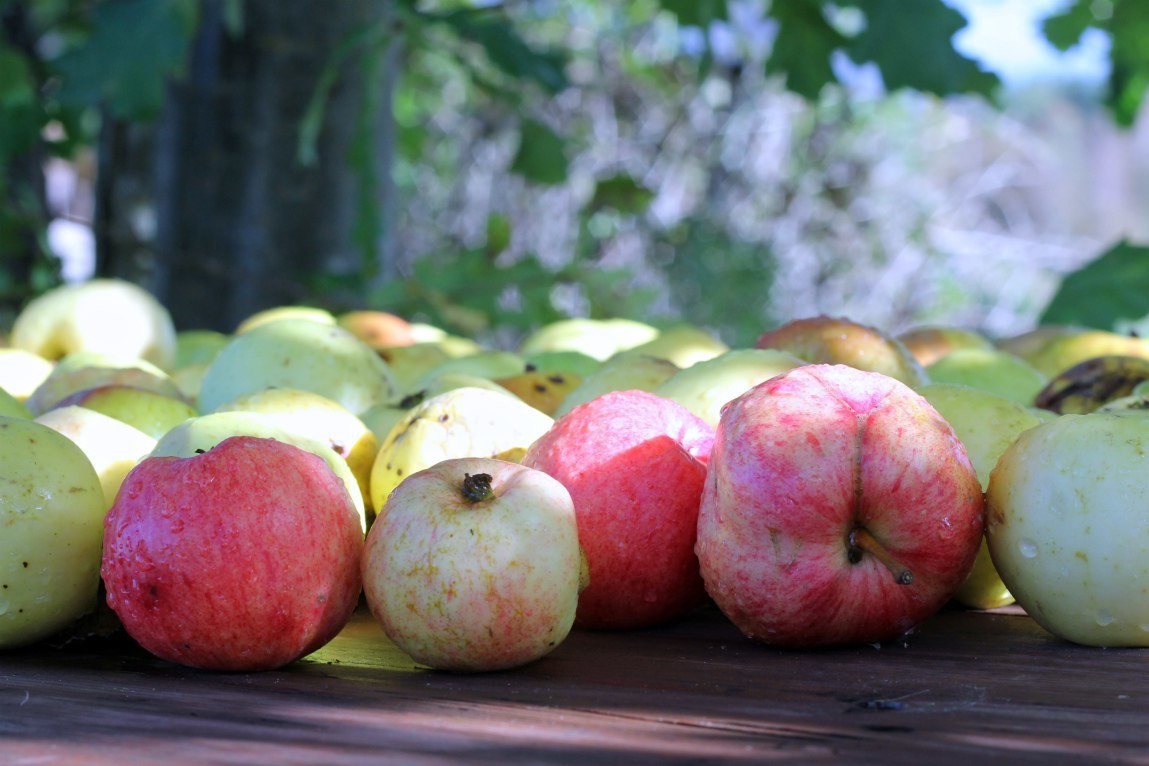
{"x":236,"y":494}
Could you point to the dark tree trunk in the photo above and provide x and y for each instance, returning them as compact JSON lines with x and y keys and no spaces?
{"x":241,"y":224}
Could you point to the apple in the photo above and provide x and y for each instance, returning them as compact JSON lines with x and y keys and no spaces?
{"x":409,"y":364}
{"x":243,"y":558}
{"x":52,"y":512}
{"x":545,"y":391}
{"x":930,"y":343}
{"x":112,"y":446}
{"x":378,"y":329}
{"x":839,"y":508}
{"x":562,"y":361}
{"x":1066,"y":526}
{"x":484,"y":364}
{"x":619,"y":373}
{"x":298,"y":353}
{"x":383,"y":417}
{"x":828,"y":340}
{"x":13,"y":407}
{"x":992,"y":370}
{"x":473,"y":565}
{"x":464,"y":422}
{"x":634,"y":464}
{"x":200,"y":434}
{"x":597,"y":338}
{"x":106,"y":316}
{"x":707,"y":386}
{"x":1028,"y":343}
{"x":682,"y":344}
{"x":153,"y":413}
{"x":1089,"y":385}
{"x":83,"y":370}
{"x":279,"y":313}
{"x":1064,"y":351}
{"x":22,"y":372}
{"x":196,"y":347}
{"x":319,"y":418}
{"x":986,"y":424}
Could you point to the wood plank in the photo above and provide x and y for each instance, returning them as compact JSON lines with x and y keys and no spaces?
{"x":964,"y":685}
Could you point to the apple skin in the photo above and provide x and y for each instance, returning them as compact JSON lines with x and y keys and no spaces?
{"x":474,"y":586}
{"x":1067,"y":529}
{"x":634,"y":464}
{"x":619,"y":373}
{"x":243,"y":558}
{"x":51,"y":513}
{"x":800,"y":463}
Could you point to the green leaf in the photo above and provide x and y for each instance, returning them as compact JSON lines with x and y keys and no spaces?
{"x":498,"y":234}
{"x":1064,"y":30}
{"x":803,"y":46}
{"x":509,"y":52}
{"x":697,"y":13}
{"x":621,"y":193}
{"x":1111,"y":288}
{"x":17,"y":86}
{"x":542,"y":154}
{"x":1129,"y":29}
{"x":912,"y":43}
{"x":134,"y":46}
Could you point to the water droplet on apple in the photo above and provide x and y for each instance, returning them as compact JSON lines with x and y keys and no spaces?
{"x":1027,"y":547}
{"x":3,"y":606}
{"x":1103,"y":617}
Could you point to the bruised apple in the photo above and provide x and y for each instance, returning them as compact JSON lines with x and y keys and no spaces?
{"x":245,"y":557}
{"x":634,"y":464}
{"x":474,"y":565}
{"x":839,"y":508}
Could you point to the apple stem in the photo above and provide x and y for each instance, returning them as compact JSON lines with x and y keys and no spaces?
{"x":477,"y":487}
{"x":861,"y":541}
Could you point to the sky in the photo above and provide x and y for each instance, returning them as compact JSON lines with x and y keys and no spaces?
{"x":1005,"y":36}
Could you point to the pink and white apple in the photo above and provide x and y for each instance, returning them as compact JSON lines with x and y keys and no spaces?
{"x":243,"y":558}
{"x":473,"y":565}
{"x":839,"y":508}
{"x":634,"y":463}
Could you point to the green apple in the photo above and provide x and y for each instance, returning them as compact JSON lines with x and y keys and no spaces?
{"x":706,"y":386}
{"x":986,"y":424}
{"x":298,"y":353}
{"x":485,"y":364}
{"x":106,"y":316}
{"x":619,"y":373}
{"x":83,"y":370}
{"x":408,"y":364}
{"x":1062,"y":352}
{"x":319,"y":418}
{"x":682,"y":344}
{"x":1067,"y":529}
{"x":153,"y":413}
{"x":930,"y":343}
{"x":22,"y":372}
{"x":1028,"y":343}
{"x":278,"y":313}
{"x":189,"y":379}
{"x":597,"y":338}
{"x":465,"y":422}
{"x":562,"y":361}
{"x":998,"y":372}
{"x":200,"y":434}
{"x":52,"y":513}
{"x":112,"y":446}
{"x":383,"y":417}
{"x":12,"y":407}
{"x":198,"y":347}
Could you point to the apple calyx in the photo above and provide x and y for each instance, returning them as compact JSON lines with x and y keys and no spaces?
{"x":860,"y":541}
{"x":477,"y":487}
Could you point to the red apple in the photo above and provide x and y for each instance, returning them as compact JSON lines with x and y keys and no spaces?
{"x":473,"y":564}
{"x":839,"y":508}
{"x":245,"y":557}
{"x":634,"y":464}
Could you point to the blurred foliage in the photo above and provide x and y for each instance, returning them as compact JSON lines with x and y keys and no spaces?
{"x":516,"y":72}
{"x":1106,"y":293}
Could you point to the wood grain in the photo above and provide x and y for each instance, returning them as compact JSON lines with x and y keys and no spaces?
{"x":965,"y":685}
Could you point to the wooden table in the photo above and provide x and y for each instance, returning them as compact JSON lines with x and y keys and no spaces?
{"x":964,"y":686}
